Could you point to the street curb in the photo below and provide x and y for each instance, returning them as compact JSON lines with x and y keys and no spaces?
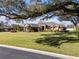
{"x":40,"y":52}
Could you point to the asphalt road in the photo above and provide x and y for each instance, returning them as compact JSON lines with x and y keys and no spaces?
{"x":6,"y":53}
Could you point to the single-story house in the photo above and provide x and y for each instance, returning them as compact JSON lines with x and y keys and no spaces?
{"x":70,"y":28}
{"x":43,"y":26}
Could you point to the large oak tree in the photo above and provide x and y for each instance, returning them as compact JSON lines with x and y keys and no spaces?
{"x":19,"y":9}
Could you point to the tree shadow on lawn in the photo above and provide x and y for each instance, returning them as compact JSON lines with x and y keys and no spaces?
{"x":50,"y":40}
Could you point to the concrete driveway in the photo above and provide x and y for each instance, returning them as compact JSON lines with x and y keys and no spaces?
{"x":7,"y":53}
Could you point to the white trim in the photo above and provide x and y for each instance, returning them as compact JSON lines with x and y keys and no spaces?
{"x":40,"y":52}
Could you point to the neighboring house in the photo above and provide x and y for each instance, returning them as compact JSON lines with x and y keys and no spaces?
{"x":78,"y":25}
{"x":13,"y":28}
{"x":70,"y":28}
{"x":4,"y":28}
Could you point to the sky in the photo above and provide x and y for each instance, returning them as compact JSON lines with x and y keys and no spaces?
{"x":3,"y":19}
{"x":42,"y":1}
{"x":52,"y":19}
{"x":46,"y":1}
{"x":77,"y":1}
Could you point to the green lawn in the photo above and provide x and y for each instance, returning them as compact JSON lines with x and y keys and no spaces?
{"x":27,"y":40}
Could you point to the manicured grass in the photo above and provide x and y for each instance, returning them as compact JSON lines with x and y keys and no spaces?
{"x":27,"y":40}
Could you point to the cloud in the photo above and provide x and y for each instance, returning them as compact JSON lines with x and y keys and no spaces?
{"x":2,"y":18}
